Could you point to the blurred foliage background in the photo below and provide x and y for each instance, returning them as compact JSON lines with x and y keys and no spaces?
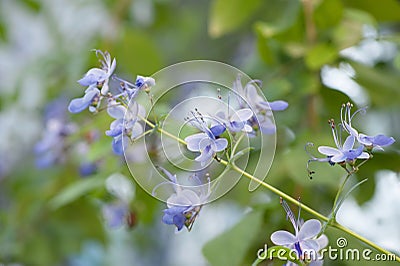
{"x":315,"y":54}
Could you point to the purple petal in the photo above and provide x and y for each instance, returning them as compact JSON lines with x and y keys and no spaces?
{"x":353,"y":153}
{"x":310,"y":229}
{"x":378,"y":140}
{"x":217,"y":130}
{"x":283,"y":238}
{"x":278,"y":105}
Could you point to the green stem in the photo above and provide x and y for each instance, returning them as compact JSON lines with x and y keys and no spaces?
{"x":284,"y":195}
{"x":339,"y":192}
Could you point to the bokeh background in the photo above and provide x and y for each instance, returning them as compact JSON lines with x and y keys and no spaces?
{"x":315,"y":54}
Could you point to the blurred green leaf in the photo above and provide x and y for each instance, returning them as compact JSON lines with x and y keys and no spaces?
{"x":320,"y":55}
{"x":228,"y":15}
{"x":230,"y":247}
{"x":75,"y":191}
{"x":328,"y":14}
{"x":383,"y":10}
{"x":138,"y":53}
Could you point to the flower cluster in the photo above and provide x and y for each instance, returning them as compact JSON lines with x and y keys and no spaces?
{"x":120,"y":102}
{"x":305,"y":242}
{"x":184,"y":204}
{"x":252,"y":114}
{"x":356,"y":145}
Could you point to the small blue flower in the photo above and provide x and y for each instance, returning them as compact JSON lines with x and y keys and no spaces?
{"x":207,"y":143}
{"x":184,"y":205}
{"x":126,"y":126}
{"x":377,"y":141}
{"x":237,"y":121}
{"x":304,"y":241}
{"x":100,"y":77}
{"x":345,"y":152}
{"x":262,"y":118}
{"x":144,"y":82}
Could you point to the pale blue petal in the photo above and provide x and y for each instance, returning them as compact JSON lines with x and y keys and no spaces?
{"x":193,"y":141}
{"x":242,"y":115}
{"x":310,"y":245}
{"x":116,"y":111}
{"x":328,"y":151}
{"x":220,"y":144}
{"x":93,"y":76}
{"x":283,"y":238}
{"x":349,"y":143}
{"x":79,"y":104}
{"x":339,"y":158}
{"x":310,"y":229}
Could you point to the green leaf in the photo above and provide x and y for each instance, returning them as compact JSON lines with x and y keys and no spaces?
{"x":383,"y":10}
{"x":279,"y":252}
{"x":75,"y":191}
{"x":328,"y":13}
{"x":230,"y":247}
{"x":228,"y":15}
{"x":320,"y":55}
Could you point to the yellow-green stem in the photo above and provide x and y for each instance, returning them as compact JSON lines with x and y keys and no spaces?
{"x":283,"y":195}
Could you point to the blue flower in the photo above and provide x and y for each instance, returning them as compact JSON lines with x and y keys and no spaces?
{"x":126,"y":126}
{"x":304,"y":241}
{"x":144,"y":82}
{"x":377,"y":141}
{"x":207,"y":143}
{"x":185,"y":204}
{"x":94,"y":79}
{"x":99,"y":77}
{"x":237,"y":121}
{"x":262,"y":118}
{"x":345,"y":152}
